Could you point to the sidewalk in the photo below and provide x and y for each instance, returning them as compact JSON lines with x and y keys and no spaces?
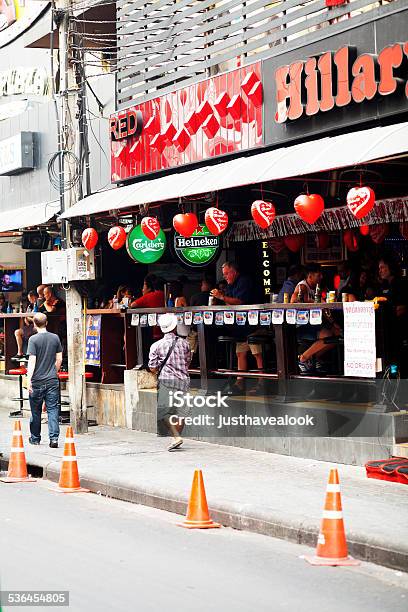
{"x":271,"y":494}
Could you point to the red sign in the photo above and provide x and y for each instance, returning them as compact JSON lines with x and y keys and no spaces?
{"x":214,"y":117}
{"x":337,"y":79}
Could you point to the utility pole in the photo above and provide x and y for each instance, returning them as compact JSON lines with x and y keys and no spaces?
{"x":68,"y":143}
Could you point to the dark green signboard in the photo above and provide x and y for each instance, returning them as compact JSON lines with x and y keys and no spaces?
{"x":199,"y":250}
{"x":142,"y":249}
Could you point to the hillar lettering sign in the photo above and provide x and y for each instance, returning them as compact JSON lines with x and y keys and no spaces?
{"x":331,"y":80}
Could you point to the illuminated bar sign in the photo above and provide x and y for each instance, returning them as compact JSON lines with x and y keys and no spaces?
{"x":336,"y":79}
{"x":266,"y":273}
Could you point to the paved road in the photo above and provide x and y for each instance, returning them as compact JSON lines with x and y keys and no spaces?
{"x":114,"y":556}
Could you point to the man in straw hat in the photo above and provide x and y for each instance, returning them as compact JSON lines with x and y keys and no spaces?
{"x":170,"y":358}
{"x":44,"y":361}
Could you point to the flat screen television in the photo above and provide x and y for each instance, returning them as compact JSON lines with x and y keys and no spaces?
{"x":11,"y":280}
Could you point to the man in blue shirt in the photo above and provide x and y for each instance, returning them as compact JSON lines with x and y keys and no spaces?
{"x":296,"y":274}
{"x":239,"y":291}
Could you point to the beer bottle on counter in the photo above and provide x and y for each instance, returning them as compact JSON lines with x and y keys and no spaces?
{"x":318,"y":294}
{"x":300,"y":294}
{"x":9,"y":308}
{"x":170,"y":301}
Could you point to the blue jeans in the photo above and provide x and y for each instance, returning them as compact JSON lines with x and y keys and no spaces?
{"x":48,"y":392}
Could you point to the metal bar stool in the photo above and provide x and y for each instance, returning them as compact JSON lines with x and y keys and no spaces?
{"x":64,"y":416}
{"x":20,"y":372}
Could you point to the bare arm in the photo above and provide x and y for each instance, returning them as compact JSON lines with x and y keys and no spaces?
{"x":231,"y":301}
{"x":32,"y":360}
{"x":58,"y":361}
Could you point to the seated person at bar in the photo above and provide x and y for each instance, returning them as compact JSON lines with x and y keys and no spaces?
{"x":3,"y":308}
{"x":40,"y":293}
{"x":348,"y":282}
{"x":27,"y":330}
{"x":3,"y":303}
{"x":239,"y":291}
{"x":123,"y":297}
{"x":309,"y":334}
{"x":296,"y":274}
{"x":152,"y":297}
{"x":52,"y":303}
{"x":55,"y":305}
{"x":201,"y":298}
{"x":365,"y":288}
{"x":307,"y":286}
{"x":176,"y":297}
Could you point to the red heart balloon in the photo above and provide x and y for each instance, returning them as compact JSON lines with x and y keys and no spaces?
{"x":360,"y":200}
{"x":263,"y":213}
{"x":185,"y":224}
{"x":309,"y":207}
{"x":89,"y":238}
{"x":379,"y":232}
{"x":322,"y":240}
{"x":350,"y":240}
{"x":294,"y":243}
{"x":116,"y":237}
{"x":150,"y":227}
{"x":364,"y":230}
{"x":216,"y":220}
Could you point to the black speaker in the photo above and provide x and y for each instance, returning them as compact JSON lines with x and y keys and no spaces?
{"x":35,"y":241}
{"x":33,"y":270}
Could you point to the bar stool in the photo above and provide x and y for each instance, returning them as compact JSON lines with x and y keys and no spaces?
{"x":229,"y":343}
{"x":20,"y":372}
{"x":267,"y":341}
{"x":64,"y":416}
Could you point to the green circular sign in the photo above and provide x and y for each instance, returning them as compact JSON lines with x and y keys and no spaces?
{"x":198,"y":250}
{"x":142,"y":249}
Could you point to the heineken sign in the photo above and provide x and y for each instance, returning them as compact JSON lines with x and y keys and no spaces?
{"x":142,"y":249}
{"x":198,"y":250}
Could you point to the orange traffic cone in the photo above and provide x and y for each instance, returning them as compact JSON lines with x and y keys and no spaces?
{"x":198,"y":516}
{"x":69,"y":477}
{"x":17,"y":470}
{"x":331,"y":543}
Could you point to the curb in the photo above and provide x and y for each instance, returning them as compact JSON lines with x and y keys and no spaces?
{"x":236,"y":517}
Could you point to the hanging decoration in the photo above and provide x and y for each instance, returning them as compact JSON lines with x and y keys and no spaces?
{"x":116,"y":237}
{"x":364,"y":230}
{"x":309,"y":207}
{"x":392,"y":210}
{"x":185,"y":224}
{"x":379,"y":232}
{"x":216,"y":220}
{"x":150,"y":227}
{"x":350,"y":240}
{"x":89,"y":238}
{"x":263,"y":213}
{"x":322,"y":241}
{"x":294,"y":243}
{"x":360,"y":201}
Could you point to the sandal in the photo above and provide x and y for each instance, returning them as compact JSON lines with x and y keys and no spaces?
{"x":176,"y":444}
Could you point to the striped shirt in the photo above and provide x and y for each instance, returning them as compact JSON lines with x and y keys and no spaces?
{"x":177,"y":364}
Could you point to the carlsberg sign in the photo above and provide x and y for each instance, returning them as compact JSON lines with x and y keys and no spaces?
{"x":142,"y":249}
